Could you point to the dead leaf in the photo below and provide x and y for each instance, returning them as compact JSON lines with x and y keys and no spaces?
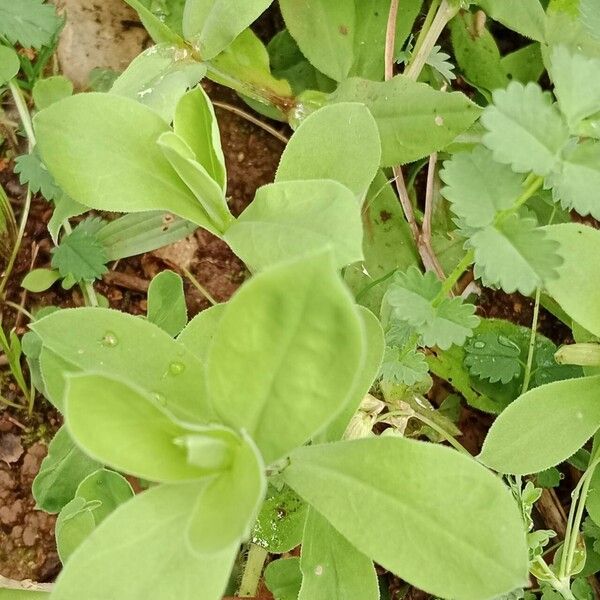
{"x":11,"y":449}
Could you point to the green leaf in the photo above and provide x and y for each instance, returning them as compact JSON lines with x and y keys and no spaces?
{"x":493,"y":357}
{"x":304,"y":347}
{"x":170,"y":12}
{"x":339,"y":142}
{"x":515,"y":255}
{"x":478,"y":188}
{"x":31,"y":23}
{"x":166,"y":302}
{"x":525,"y":129}
{"x":65,"y":208}
{"x":414,"y":120}
{"x":526,"y":17}
{"x":61,"y":472}
{"x":524,"y":64}
{"x":425,"y":512}
{"x":283,"y":578}
{"x":578,"y":179}
{"x":122,"y":427}
{"x":159,"y":31}
{"x":198,"y":334}
{"x":9,"y":63}
{"x":324,"y":32}
{"x":291,"y":219}
{"x":590,"y":16}
{"x":39,"y":280}
{"x":476,"y":52}
{"x":571,"y":71}
{"x":577,"y":286}
{"x":87,"y":136}
{"x":159,"y":77}
{"x":162,"y":561}
{"x":207,"y":191}
{"x":543,"y":427}
{"x":108,"y":488}
{"x":280,"y":523}
{"x":80,"y":255}
{"x":117,"y":344}
{"x":211,"y":25}
{"x":33,"y":172}
{"x":332,"y":568}
{"x":412,"y":298}
{"x":73,"y":525}
{"x":228,"y":505}
{"x":50,"y":90}
{"x":195,"y":123}
{"x":403,"y":366}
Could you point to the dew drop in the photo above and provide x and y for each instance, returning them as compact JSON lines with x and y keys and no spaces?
{"x":479,"y":345}
{"x":80,"y":351}
{"x":439,"y":120}
{"x":176,"y":368}
{"x":160,"y":398}
{"x":579,"y":415}
{"x":110,"y":339}
{"x":319,"y":570}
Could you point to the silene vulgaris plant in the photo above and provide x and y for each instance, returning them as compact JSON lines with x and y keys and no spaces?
{"x":285,"y":421}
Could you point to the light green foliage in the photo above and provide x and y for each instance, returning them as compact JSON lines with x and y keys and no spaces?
{"x":296,"y":218}
{"x":159,"y":77}
{"x":228,"y":505}
{"x":117,"y":165}
{"x":578,"y":273}
{"x":199,"y":332}
{"x":195,"y":123}
{"x":117,"y":344}
{"x":31,"y":23}
{"x":64,"y":208}
{"x":80,"y":255}
{"x":108,"y":488}
{"x":523,"y":16}
{"x":525,"y":129}
{"x":515,"y":255}
{"x":283,"y":578}
{"x":124,"y":428}
{"x":170,"y":12}
{"x":33,"y":172}
{"x":166,"y":302}
{"x":304,"y":348}
{"x":414,"y":298}
{"x":403,"y":365}
{"x":590,"y":16}
{"x":61,"y":472}
{"x":478,"y":188}
{"x":162,"y":560}
{"x":158,"y":29}
{"x":543,"y":427}
{"x":414,"y":120}
{"x":136,"y":233}
{"x":332,"y":568}
{"x":50,"y":90}
{"x":524,"y":64}
{"x":39,"y":280}
{"x":593,"y":505}
{"x":211,"y":25}
{"x":280,"y":524}
{"x":9,"y":63}
{"x":477,"y":53}
{"x":339,"y":142}
{"x":423,"y":511}
{"x":493,"y":357}
{"x":74,"y":523}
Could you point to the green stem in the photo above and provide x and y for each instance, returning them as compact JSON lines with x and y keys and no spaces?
{"x":530,"y":191}
{"x":431,"y":12}
{"x":534,"y":324}
{"x":453,"y":277}
{"x":23,"y":113}
{"x":199,"y":286}
{"x":252,"y":571}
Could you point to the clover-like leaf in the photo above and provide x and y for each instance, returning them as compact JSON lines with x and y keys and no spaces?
{"x":493,"y":357}
{"x":525,"y":129}
{"x":413,"y":297}
{"x":515,"y":255}
{"x":479,"y":187}
{"x":33,"y":172}
{"x":403,"y":366}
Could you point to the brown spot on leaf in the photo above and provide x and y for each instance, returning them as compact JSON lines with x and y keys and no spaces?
{"x":343,"y":30}
{"x":385,"y":216}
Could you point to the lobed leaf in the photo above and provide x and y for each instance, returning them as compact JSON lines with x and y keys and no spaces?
{"x":526,"y":17}
{"x":31,"y":23}
{"x":34,"y":173}
{"x":493,"y":357}
{"x":422,"y":511}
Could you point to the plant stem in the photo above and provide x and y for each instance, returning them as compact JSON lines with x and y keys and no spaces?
{"x":23,"y":113}
{"x":199,"y":286}
{"x":390,"y":40}
{"x":252,"y":571}
{"x":449,"y":438}
{"x":534,"y":325}
{"x":431,"y":12}
{"x":456,"y":274}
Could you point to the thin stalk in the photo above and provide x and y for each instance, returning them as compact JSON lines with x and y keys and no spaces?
{"x":456,"y":274}
{"x":19,"y":309}
{"x":3,"y":400}
{"x":23,"y":112}
{"x":390,"y":40}
{"x":252,"y":571}
{"x":431,"y":12}
{"x":425,"y":247}
{"x":534,"y":326}
{"x":199,"y":286}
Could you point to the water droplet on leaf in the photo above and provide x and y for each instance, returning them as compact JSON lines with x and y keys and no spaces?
{"x":319,"y":570}
{"x":110,"y":339}
{"x":176,"y":368}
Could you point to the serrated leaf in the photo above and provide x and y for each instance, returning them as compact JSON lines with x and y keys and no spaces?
{"x":523,"y":16}
{"x":478,"y":187}
{"x":403,"y":366}
{"x":80,"y":255}
{"x":515,"y":255}
{"x":493,"y":357}
{"x":525,"y":129}
{"x":31,"y":23}
{"x":33,"y":172}
{"x":438,"y":60}
{"x":590,"y":16}
{"x":577,"y":182}
{"x":412,"y":297}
